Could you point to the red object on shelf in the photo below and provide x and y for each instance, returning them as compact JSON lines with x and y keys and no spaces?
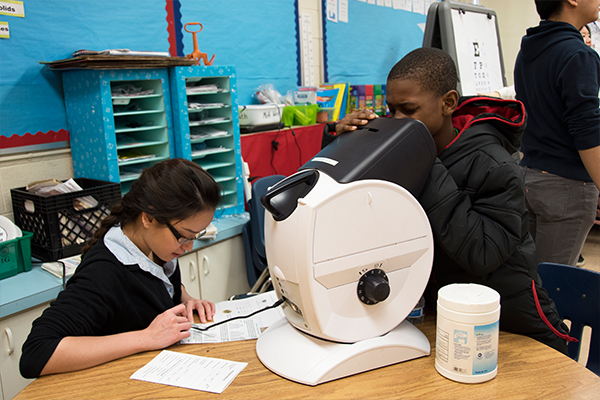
{"x":281,"y":151}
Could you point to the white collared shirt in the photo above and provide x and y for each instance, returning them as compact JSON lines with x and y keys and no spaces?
{"x":129,"y":254}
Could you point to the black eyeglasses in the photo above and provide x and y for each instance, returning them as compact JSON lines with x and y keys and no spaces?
{"x":182,"y":239}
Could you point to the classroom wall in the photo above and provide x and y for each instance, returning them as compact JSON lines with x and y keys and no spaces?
{"x":514,"y":17}
{"x":18,"y":170}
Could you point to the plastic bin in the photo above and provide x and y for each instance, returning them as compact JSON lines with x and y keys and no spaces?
{"x":15,"y":255}
{"x":260,"y":114}
{"x":300,"y":115}
{"x":60,"y":229}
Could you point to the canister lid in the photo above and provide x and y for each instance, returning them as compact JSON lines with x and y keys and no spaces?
{"x":468,"y":298}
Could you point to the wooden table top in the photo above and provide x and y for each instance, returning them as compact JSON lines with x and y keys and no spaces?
{"x":526,"y":369}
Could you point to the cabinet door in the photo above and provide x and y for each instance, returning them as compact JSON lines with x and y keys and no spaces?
{"x":188,"y":265}
{"x":13,"y":332}
{"x":222,"y":269}
{"x":216,"y":272}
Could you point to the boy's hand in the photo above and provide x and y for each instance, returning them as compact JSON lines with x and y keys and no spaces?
{"x":356,"y":118}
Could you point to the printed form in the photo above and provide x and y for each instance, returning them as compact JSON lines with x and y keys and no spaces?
{"x":190,"y":371}
{"x":242,"y":329}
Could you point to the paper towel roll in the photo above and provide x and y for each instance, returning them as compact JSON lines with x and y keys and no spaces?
{"x":8,"y":230}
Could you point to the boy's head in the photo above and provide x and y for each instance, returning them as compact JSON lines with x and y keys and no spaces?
{"x":422,"y":86}
{"x":575,"y":12}
{"x":546,"y":8}
{"x":433,"y":69}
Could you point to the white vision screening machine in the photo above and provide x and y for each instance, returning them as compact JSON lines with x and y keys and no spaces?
{"x":350,"y":250}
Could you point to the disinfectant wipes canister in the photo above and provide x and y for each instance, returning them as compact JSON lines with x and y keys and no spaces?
{"x":467,"y":332}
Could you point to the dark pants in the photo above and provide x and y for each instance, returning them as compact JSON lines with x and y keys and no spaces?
{"x":562,"y":212}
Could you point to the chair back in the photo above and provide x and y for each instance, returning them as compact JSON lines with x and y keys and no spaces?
{"x":254,"y":230}
{"x":576,"y":292}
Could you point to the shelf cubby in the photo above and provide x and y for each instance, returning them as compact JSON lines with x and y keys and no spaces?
{"x":119,"y":122}
{"x":207,"y":129}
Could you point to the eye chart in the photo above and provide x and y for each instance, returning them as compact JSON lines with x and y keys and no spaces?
{"x":477,"y":52}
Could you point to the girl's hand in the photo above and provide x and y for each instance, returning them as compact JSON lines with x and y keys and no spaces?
{"x":205,"y":309}
{"x":356,"y":118}
{"x":167,"y":328}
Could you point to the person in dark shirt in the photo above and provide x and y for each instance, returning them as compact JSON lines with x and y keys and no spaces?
{"x":557,"y":77}
{"x":474,"y":196}
{"x":126,"y":295}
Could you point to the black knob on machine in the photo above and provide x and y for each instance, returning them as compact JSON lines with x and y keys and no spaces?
{"x":373,"y":287}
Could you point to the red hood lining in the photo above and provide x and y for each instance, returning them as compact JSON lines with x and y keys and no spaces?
{"x":496,"y":110}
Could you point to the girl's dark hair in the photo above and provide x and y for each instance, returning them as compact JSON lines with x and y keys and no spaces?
{"x":588,"y":29}
{"x":433,"y":69}
{"x":171,"y":190}
{"x":546,"y":8}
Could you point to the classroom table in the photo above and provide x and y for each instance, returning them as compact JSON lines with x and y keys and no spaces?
{"x":527,"y":369}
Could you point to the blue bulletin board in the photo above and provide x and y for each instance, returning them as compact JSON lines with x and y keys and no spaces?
{"x":258,"y":37}
{"x":377,"y":34}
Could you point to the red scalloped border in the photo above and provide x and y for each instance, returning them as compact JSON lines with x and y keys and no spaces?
{"x":30,"y":140}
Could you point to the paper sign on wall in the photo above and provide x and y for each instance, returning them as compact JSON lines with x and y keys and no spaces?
{"x":343,"y":11}
{"x":332,"y":10}
{"x":12,"y":8}
{"x":4,"y":31}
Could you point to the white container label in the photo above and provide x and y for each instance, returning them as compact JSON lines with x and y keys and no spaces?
{"x":467,"y":349}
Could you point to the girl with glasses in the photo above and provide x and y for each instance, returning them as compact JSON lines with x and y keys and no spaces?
{"x":126,"y":295}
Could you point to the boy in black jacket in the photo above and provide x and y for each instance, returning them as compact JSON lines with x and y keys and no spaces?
{"x":474,"y":197}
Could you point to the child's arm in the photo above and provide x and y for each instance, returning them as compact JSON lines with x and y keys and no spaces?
{"x":79,"y":352}
{"x":591,"y":160}
{"x":349,"y":123}
{"x":478,"y":235}
{"x":353,"y":120}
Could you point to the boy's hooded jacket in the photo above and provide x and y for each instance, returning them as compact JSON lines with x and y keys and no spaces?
{"x":557,"y":77}
{"x":475,"y":201}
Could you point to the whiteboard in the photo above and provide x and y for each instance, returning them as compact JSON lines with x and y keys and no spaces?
{"x":477,"y":52}
{"x":469,"y":34}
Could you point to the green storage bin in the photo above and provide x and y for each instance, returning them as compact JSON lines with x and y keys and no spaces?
{"x":15,"y":255}
{"x":300,"y":115}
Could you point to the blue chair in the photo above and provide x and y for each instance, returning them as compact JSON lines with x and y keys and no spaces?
{"x":253,"y":235}
{"x":576,"y":292}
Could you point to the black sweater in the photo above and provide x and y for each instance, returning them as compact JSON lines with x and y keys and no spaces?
{"x":103,"y":297}
{"x":557,"y":77}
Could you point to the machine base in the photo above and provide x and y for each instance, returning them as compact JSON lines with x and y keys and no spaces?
{"x":296,"y":356}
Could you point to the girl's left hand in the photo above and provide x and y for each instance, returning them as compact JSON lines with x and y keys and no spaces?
{"x":205,"y":309}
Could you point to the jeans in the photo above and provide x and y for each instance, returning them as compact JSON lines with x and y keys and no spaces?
{"x":562,"y":212}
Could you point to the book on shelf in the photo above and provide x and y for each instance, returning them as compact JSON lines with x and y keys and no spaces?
{"x":340,"y":104}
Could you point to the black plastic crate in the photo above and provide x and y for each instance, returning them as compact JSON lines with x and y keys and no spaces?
{"x":59,"y":228}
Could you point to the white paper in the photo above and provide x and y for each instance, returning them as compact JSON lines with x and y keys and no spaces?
{"x":477,"y":52}
{"x":332,"y":10}
{"x":4,"y":30}
{"x":343,"y":11}
{"x":242,"y":329}
{"x":405,"y":5}
{"x":419,"y":6}
{"x":190,"y":371}
{"x":12,"y":8}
